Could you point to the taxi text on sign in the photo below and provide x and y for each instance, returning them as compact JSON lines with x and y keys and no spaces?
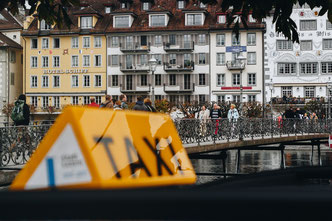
{"x":99,"y":148}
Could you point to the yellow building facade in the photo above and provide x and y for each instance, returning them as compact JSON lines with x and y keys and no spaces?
{"x":63,"y":67}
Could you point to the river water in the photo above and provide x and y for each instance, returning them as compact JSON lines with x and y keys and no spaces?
{"x":253,"y":161}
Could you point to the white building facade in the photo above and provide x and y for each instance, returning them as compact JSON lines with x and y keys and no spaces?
{"x":299,"y":70}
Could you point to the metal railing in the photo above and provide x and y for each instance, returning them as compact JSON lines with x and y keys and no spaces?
{"x":17,"y":144}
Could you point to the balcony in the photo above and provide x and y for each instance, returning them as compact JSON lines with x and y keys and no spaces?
{"x":180,"y":47}
{"x":124,"y":88}
{"x":184,"y":67}
{"x":134,"y":68}
{"x":134,"y":48}
{"x":182,"y":88}
{"x":235,"y":65}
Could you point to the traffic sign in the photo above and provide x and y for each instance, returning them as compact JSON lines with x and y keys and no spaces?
{"x":100,"y":148}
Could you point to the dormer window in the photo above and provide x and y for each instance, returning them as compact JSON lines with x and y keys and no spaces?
{"x":194,"y":19}
{"x":251,"y":19}
{"x":44,"y":26}
{"x":86,"y":22}
{"x":157,"y":20}
{"x":146,"y":6}
{"x":202,"y":5}
{"x":124,"y":5}
{"x":107,"y":10}
{"x":180,"y":4}
{"x":121,"y":21}
{"x":221,"y":19}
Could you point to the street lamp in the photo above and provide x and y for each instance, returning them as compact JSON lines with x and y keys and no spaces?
{"x":152,"y":66}
{"x":329,"y":86}
{"x":241,"y":59}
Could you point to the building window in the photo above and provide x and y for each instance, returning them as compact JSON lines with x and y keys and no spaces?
{"x":172,"y":39}
{"x":202,"y":5}
{"x":34,"y":81}
{"x":56,"y":81}
{"x":251,"y":19}
{"x":115,"y":80}
{"x":56,"y":61}
{"x":144,"y":40}
{"x":172,"y":79}
{"x":202,"y":39}
{"x":286,"y":91}
{"x":97,"y":60}
{"x":201,"y":58}
{"x":45,"y":61}
{"x":34,"y":43}
{"x":115,"y":60}
{"x":251,"y":79}
{"x":236,"y":79}
{"x":236,"y":41}
{"x":194,"y":19}
{"x":144,"y":80}
{"x":284,"y":45}
{"x":74,"y":100}
{"x":158,"y":40}
{"x":34,"y":61}
{"x":309,"y":91}
{"x":45,"y":102}
{"x":34,"y":101}
{"x":86,"y":100}
{"x":86,"y":22}
{"x":97,"y":80}
{"x":202,"y":80}
{"x":121,"y":21}
{"x":308,"y":68}
{"x":251,"y":39}
{"x":327,"y":44}
{"x":45,"y":43}
{"x":308,"y":25}
{"x":86,"y":60}
{"x":74,"y":42}
{"x":172,"y":59}
{"x":145,"y":6}
{"x":86,"y":42}
{"x":220,"y":40}
{"x":251,"y":58}
{"x":158,"y":79}
{"x":236,"y":98}
{"x":144,"y":59}
{"x":201,"y":98}
{"x":327,"y":67}
{"x":74,"y":61}
{"x":107,"y":10}
{"x":286,"y":68}
{"x":328,"y":25}
{"x":114,"y":42}
{"x":12,"y":56}
{"x":180,"y":4}
{"x":97,"y":42}
{"x":74,"y":81}
{"x":221,"y":60}
{"x":12,"y":78}
{"x":86,"y":80}
{"x":252,"y":98}
{"x":56,"y":42}
{"x":56,"y":102}
{"x":221,"y":19}
{"x":220,"y":80}
{"x":44,"y":26}
{"x":306,"y":45}
{"x":98,"y":99}
{"x":158,"y":58}
{"x":157,"y":20}
{"x":221,"y":99}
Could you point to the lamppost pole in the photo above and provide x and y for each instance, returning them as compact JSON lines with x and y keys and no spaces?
{"x":152,"y":65}
{"x":152,"y":88}
{"x":241,"y":61}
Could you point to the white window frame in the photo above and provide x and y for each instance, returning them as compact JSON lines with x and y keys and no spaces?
{"x":181,"y":4}
{"x":284,"y":45}
{"x":54,"y":61}
{"x":45,"y":102}
{"x":86,"y":22}
{"x":194,"y":23}
{"x":84,"y":80}
{"x":221,"y":19}
{"x":97,"y":42}
{"x":45,"y":81}
{"x":222,"y":61}
{"x":32,"y":62}
{"x":48,"y":43}
{"x":328,"y":43}
{"x":72,"y":61}
{"x":251,"y":41}
{"x":305,"y":27}
{"x":44,"y":26}
{"x":121,"y":26}
{"x":54,"y":81}
{"x":33,"y":81}
{"x":236,"y":77}
{"x":285,"y":67}
{"x":222,"y":78}
{"x":45,"y":64}
{"x":84,"y":42}
{"x":252,"y":59}
{"x":95,"y":60}
{"x":158,"y":25}
{"x":84,"y":64}
{"x":96,"y":80}
{"x":74,"y":100}
{"x":54,"y":43}
{"x":252,"y":79}
{"x":34,"y":101}
{"x":304,"y":46}
{"x":31,"y":42}
{"x":75,"y":42}
{"x":75,"y":82}
{"x":219,"y":38}
{"x":56,"y":102}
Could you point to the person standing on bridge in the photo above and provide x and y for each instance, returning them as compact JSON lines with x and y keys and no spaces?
{"x":203,"y":115}
{"x":215,"y":116}
{"x":233,"y":114}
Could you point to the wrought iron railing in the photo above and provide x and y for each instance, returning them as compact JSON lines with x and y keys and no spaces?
{"x":17,"y":144}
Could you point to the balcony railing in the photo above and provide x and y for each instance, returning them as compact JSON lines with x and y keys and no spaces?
{"x":124,"y":88}
{"x":182,"y":88}
{"x":134,"y":68}
{"x":186,"y":66}
{"x":235,"y":65}
{"x":132,"y":48}
{"x":180,"y":47}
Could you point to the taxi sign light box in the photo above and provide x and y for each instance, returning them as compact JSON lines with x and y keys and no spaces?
{"x":100,"y":148}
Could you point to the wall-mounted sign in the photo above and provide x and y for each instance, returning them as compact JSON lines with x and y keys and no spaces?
{"x":236,"y":49}
{"x":68,"y":71}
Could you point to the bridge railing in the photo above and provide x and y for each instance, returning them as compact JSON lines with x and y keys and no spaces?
{"x":197,"y":131}
{"x":18,"y":143}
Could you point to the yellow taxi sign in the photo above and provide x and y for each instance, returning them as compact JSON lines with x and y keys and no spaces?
{"x":100,"y":148}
